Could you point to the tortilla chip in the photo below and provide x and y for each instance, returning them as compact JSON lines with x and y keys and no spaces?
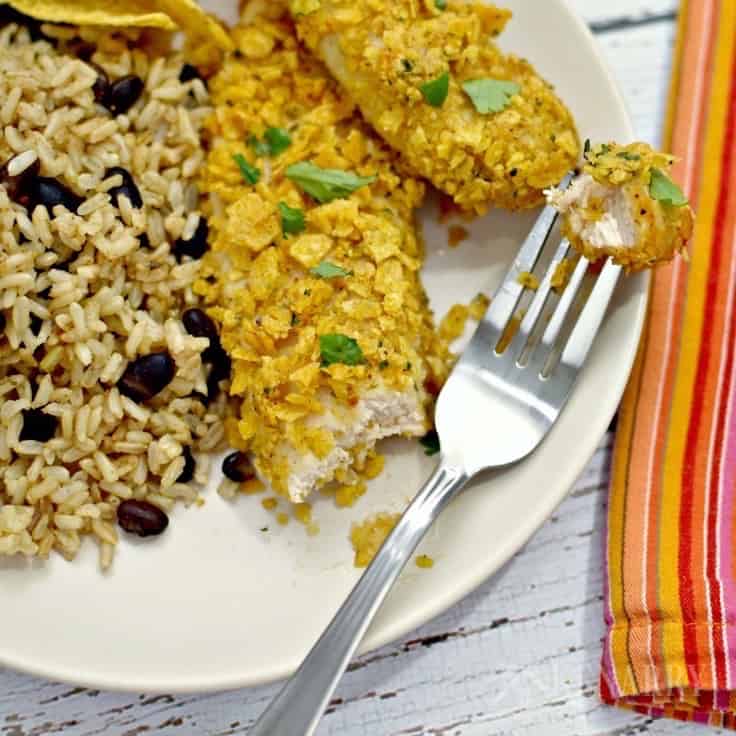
{"x":194,"y":21}
{"x":184,"y":15}
{"x":137,"y":13}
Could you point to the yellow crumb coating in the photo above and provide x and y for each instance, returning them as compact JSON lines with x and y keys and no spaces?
{"x":528,"y":280}
{"x":562,"y":274}
{"x":385,"y":51}
{"x":662,"y":229}
{"x":424,"y":562}
{"x":368,"y":536}
{"x":260,"y":282}
{"x":346,"y":496}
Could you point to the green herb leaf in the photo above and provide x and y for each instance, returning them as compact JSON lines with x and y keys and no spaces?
{"x":663,"y":189}
{"x":327,"y":270}
{"x":326,"y":184}
{"x":337,"y":348}
{"x":440,"y":4}
{"x":626,"y":156}
{"x":292,"y":219}
{"x":278,"y":140}
{"x":250,"y":173}
{"x":431,"y":443}
{"x":275,"y":141}
{"x":490,"y":95}
{"x":259,"y":147}
{"x":436,"y":91}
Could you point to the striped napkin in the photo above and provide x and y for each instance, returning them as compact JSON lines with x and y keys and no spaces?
{"x":670,"y":647}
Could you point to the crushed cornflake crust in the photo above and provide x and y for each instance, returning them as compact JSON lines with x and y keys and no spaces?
{"x":528,"y":280}
{"x":368,"y":536}
{"x":498,"y":145}
{"x":561,"y":274}
{"x":456,"y":234}
{"x":320,"y":304}
{"x":624,"y":205}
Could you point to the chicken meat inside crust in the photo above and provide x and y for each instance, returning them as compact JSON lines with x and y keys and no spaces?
{"x":316,"y":290}
{"x":500,"y":146}
{"x":625,"y":205}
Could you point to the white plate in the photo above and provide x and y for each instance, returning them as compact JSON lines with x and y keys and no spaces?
{"x":216,"y":603}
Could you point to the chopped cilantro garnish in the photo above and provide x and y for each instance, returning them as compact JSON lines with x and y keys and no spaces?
{"x":383,"y":365}
{"x":431,"y":443}
{"x":605,"y":148}
{"x":259,"y":147}
{"x":278,"y":140}
{"x":440,"y":4}
{"x":250,"y":173}
{"x":626,"y":156}
{"x":435,"y":92}
{"x":663,"y":189}
{"x":275,"y":141}
{"x":326,"y":184}
{"x":490,"y":95}
{"x":327,"y":270}
{"x":337,"y":348}
{"x":292,"y":219}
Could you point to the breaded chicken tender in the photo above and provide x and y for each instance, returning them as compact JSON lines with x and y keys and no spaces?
{"x":625,"y":205}
{"x":480,"y":124}
{"x":313,"y":272}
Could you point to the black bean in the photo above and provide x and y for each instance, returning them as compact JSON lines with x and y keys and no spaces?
{"x":51,"y":192}
{"x":220,"y":360}
{"x":101,"y":87}
{"x":82,"y":49}
{"x":37,"y":425}
{"x":123,"y":94}
{"x":141,"y":518}
{"x":237,"y":467}
{"x":220,"y":369}
{"x":198,"y":324}
{"x":36,"y":323}
{"x":213,"y":389}
{"x":147,"y":376}
{"x":127,"y":188}
{"x":189,"y":466}
{"x":189,"y":72}
{"x":196,"y":246}
{"x":20,"y":187}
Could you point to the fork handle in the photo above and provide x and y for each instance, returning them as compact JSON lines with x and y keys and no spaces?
{"x":297,"y":709}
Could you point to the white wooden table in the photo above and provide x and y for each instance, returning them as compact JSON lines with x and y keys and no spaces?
{"x":520,"y":655}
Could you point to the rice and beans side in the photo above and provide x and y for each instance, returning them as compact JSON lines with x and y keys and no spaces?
{"x":109,"y":373}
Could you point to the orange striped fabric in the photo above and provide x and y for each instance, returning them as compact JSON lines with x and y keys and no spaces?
{"x":670,"y":647}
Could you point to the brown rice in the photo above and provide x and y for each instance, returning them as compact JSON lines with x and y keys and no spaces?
{"x":84,"y":294}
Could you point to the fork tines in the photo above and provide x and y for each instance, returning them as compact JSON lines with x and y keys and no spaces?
{"x":538,"y":329}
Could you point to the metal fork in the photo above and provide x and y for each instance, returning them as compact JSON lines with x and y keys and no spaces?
{"x":519,"y":391}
